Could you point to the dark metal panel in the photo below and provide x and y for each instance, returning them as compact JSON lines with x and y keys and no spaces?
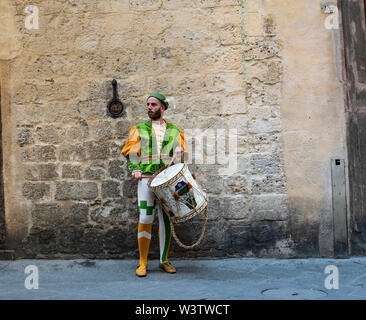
{"x":2,"y":207}
{"x":339,"y":207}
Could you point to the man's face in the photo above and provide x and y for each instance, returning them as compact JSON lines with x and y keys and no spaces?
{"x":155,"y":108}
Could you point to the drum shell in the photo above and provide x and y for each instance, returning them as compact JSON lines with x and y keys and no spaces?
{"x":178,"y":209}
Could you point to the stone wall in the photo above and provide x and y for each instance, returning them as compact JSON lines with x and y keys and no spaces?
{"x":67,"y":188}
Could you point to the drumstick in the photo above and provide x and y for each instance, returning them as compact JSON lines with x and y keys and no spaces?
{"x":170,"y":163}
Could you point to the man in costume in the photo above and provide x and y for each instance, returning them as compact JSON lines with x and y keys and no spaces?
{"x":150,"y":146}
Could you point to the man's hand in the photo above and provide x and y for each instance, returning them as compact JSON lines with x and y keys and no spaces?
{"x":137,"y":175}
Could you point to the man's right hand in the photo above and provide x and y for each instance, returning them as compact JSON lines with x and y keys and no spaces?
{"x":137,"y":175}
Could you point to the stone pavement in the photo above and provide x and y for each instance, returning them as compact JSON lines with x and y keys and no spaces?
{"x":234,"y":279}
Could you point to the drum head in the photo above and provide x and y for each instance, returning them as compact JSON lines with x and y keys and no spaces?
{"x":166,"y":174}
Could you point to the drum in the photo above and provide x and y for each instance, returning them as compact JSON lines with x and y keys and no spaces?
{"x":180,"y":195}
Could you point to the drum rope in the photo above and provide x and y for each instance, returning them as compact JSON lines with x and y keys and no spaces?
{"x":199,"y":239}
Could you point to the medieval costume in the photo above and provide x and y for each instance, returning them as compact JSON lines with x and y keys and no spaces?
{"x":150,"y":147}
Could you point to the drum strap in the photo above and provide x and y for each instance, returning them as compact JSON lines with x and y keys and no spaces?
{"x":199,"y":239}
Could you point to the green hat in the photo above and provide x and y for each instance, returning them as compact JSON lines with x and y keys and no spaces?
{"x":161,"y":97}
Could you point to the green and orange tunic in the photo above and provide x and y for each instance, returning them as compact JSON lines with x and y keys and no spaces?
{"x":141,"y":148}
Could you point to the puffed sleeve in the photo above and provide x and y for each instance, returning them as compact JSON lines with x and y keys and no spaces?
{"x":132,"y":149}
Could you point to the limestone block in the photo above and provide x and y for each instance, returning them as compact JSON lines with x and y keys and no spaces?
{"x":70,"y":171}
{"x":83,"y":5}
{"x":268,"y":207}
{"x":115,"y":148}
{"x":117,"y":169}
{"x":229,"y":34}
{"x":234,"y":104}
{"x":47,"y":215}
{"x":54,"y":91}
{"x":268,"y":184}
{"x":113,"y":6}
{"x":262,"y":48}
{"x":118,"y":44}
{"x":97,"y":150}
{"x":25,"y":94}
{"x":76,"y":152}
{"x":42,"y":153}
{"x":60,"y":111}
{"x":264,"y":142}
{"x":75,"y":213}
{"x":184,"y":4}
{"x":243,"y":165}
{"x":129,"y":188}
{"x":268,"y":72}
{"x":36,"y":191}
{"x":235,"y":185}
{"x":220,"y":16}
{"x":267,"y":231}
{"x":145,"y":5}
{"x":101,"y":129}
{"x":257,"y":236}
{"x":28,"y":67}
{"x":91,"y":109}
{"x":261,"y":112}
{"x":258,"y":93}
{"x":109,"y":215}
{"x":212,"y":184}
{"x":176,"y":4}
{"x":214,"y":207}
{"x":89,"y":240}
{"x":110,"y":189}
{"x":118,"y":61}
{"x":41,"y":172}
{"x":239,"y":125}
{"x":76,"y":190}
{"x":121,"y":128}
{"x":50,"y":134}
{"x":165,"y":21}
{"x":88,"y":43}
{"x":113,"y":237}
{"x":223,"y":58}
{"x":95,"y":171}
{"x":214,"y":3}
{"x":25,"y":137}
{"x":259,"y":126}
{"x":242,"y":145}
{"x":227,"y":82}
{"x":265,"y":164}
{"x":235,"y":207}
{"x":47,"y":42}
{"x":47,"y":66}
{"x":77,"y":131}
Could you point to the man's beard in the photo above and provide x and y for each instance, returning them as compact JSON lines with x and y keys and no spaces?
{"x":155,"y":115}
